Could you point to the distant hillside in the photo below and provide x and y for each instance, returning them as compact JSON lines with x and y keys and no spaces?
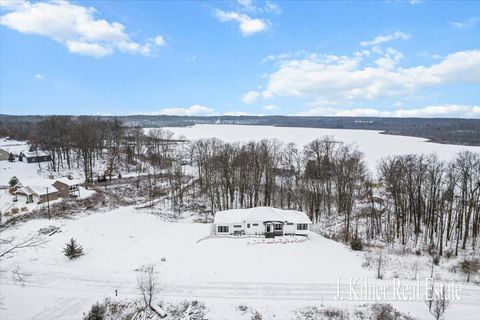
{"x":452,"y":131}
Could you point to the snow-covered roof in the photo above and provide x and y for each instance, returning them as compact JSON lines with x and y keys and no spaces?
{"x":38,"y":153}
{"x":38,"y":190}
{"x":260,"y":214}
{"x":25,"y":190}
{"x":69,"y":182}
{"x":41,"y":190}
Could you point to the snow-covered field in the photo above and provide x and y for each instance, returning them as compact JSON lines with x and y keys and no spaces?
{"x":275,"y":277}
{"x":372,"y":143}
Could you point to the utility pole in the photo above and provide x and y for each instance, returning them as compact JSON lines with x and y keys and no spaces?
{"x":48,"y":203}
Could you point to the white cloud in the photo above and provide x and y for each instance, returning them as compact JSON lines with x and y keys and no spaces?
{"x":271,"y":107}
{"x":272,"y":7}
{"x":248,"y":25}
{"x":89,"y":49}
{"x":440,"y":111}
{"x":241,"y":113}
{"x":11,"y":4}
{"x":75,"y":26}
{"x":39,"y":76}
{"x":194,"y":110}
{"x":246,"y":4}
{"x":466,"y":24}
{"x":386,"y":38}
{"x":159,"y":41}
{"x":250,"y":97}
{"x":346,"y":79}
{"x":252,"y":7}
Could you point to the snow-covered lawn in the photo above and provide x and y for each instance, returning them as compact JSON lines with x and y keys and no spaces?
{"x":275,"y":278}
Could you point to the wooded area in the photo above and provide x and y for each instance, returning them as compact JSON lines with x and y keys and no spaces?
{"x":441,"y":130}
{"x":413,"y":200}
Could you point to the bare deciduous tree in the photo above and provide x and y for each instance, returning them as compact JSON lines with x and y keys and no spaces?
{"x":12,"y":244}
{"x":438,"y":302}
{"x":147,"y":283}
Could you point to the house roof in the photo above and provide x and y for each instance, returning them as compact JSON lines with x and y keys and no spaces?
{"x":41,"y":190}
{"x":69,"y":182}
{"x":260,"y":214}
{"x":25,"y":190}
{"x":38,"y":153}
{"x":35,"y":189}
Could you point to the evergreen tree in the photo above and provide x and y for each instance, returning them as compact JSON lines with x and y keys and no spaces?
{"x":97,"y":312}
{"x":13,"y":181}
{"x":73,"y":249}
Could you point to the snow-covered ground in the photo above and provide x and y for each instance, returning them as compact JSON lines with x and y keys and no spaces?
{"x":275,"y":277}
{"x":372,"y":143}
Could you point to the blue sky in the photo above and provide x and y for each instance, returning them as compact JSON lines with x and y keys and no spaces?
{"x":377,"y":58}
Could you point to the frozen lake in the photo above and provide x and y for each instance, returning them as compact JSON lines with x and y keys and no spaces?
{"x":372,"y":143}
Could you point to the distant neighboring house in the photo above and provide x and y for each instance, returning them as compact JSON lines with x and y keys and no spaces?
{"x":36,"y":194}
{"x":37,"y":156}
{"x":270,"y":222}
{"x":68,"y":187}
{"x":3,"y":155}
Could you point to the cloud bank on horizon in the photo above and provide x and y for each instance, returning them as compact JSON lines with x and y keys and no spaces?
{"x":251,"y":57}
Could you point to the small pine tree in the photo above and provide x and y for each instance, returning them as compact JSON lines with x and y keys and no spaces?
{"x":97,"y":312}
{"x":73,"y":249}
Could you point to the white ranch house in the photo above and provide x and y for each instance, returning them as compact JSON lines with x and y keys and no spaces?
{"x":262,"y":221}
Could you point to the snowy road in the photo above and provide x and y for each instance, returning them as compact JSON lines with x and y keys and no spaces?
{"x":77,"y":294}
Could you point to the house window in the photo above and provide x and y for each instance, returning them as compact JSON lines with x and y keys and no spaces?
{"x":290,"y":224}
{"x":302,"y":226}
{"x":222,"y":229}
{"x":278,"y":227}
{"x":255,"y":224}
{"x":248,"y":225}
{"x":237,"y":226}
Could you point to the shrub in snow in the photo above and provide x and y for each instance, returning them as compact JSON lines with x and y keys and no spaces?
{"x":385,"y":311}
{"x":13,"y":181}
{"x":73,"y":249}
{"x":97,"y":312}
{"x":327,"y":313}
{"x":377,"y":311}
{"x":187,"y":310}
{"x":256,"y":315}
{"x":470,"y":266}
{"x":448,"y":254}
{"x":356,"y":244}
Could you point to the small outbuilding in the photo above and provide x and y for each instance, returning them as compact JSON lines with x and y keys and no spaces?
{"x":263,"y":221}
{"x":67,"y":187}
